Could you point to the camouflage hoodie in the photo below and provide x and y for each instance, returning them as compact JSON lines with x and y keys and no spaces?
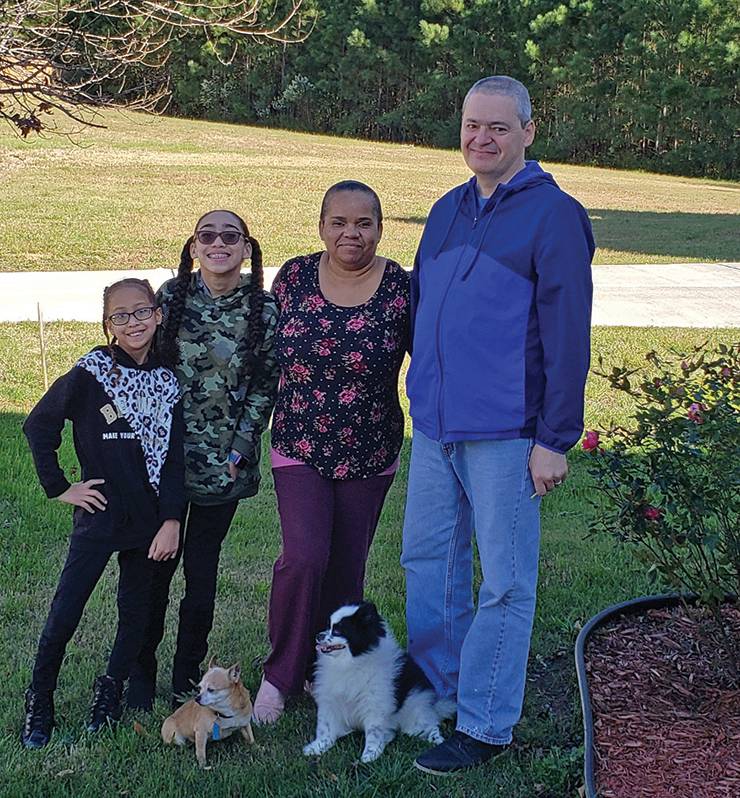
{"x":224,"y":408}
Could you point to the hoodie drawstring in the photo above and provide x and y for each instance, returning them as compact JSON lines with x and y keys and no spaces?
{"x":481,"y":240}
{"x":453,"y":217}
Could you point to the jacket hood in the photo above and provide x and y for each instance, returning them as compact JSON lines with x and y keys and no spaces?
{"x":531,"y":176}
{"x":125,"y":360}
{"x":233,"y":299}
{"x":465,"y":197}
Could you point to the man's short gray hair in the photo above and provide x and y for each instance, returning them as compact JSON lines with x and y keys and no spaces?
{"x":502,"y":84}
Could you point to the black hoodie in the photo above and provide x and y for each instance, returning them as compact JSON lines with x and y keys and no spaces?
{"x":127,"y":429}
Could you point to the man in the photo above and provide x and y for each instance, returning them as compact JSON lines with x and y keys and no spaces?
{"x":502,"y":296}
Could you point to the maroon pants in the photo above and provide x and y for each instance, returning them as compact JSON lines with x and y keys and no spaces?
{"x":328,"y":526}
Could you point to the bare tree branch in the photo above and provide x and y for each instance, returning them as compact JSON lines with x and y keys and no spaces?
{"x":76,"y":57}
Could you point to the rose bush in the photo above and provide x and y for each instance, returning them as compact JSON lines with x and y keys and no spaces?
{"x":669,"y":481}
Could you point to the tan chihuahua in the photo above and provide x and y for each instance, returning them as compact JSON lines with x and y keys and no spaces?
{"x":221,"y":707}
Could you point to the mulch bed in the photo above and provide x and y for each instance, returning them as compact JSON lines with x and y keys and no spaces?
{"x":666,"y":710}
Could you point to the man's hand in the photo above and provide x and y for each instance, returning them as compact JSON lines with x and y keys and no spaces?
{"x":82,"y":494}
{"x":548,"y":469}
{"x":165,"y":543}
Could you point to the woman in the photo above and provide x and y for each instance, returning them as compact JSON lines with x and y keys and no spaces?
{"x":337,"y":429}
{"x":218,"y":330}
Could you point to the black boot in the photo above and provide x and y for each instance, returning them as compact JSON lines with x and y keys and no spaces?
{"x":106,"y":706}
{"x":185,"y":679}
{"x":39,"y":718}
{"x":141,"y":687}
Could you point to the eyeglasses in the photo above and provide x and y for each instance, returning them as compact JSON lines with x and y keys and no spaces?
{"x":140,"y":314}
{"x":228,"y":237}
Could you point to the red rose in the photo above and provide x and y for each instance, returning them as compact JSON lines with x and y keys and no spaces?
{"x":695,"y":413}
{"x":590,"y":441}
{"x":652,"y":513}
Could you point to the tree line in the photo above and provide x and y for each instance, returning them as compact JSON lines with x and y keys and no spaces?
{"x":651,"y":84}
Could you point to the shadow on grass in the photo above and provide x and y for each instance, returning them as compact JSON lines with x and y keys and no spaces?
{"x":690,"y":236}
{"x":693,"y":236}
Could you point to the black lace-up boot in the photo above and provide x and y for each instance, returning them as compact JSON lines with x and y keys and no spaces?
{"x":39,"y":718}
{"x":106,"y":706}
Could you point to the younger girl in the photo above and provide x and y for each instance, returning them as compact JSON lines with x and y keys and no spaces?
{"x":219,"y":327}
{"x":127,"y":426}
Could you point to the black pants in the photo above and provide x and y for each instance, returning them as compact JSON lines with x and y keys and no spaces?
{"x":204,"y":532}
{"x":82,"y":571}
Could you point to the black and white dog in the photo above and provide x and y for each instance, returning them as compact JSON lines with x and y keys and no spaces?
{"x":364,"y":681}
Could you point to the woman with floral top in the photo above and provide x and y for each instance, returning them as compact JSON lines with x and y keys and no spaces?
{"x":337,"y":429}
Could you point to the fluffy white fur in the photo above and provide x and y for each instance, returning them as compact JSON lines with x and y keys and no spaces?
{"x":356,"y":693}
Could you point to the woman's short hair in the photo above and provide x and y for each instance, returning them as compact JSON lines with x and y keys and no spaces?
{"x":352,"y":185}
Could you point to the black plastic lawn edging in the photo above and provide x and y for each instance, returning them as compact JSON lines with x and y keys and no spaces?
{"x":632,"y":607}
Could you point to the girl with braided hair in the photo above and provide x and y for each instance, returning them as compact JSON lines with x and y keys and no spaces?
{"x":218,"y":329}
{"x":126,"y":414}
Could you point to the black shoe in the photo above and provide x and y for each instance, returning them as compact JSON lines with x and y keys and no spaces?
{"x":39,"y":718}
{"x":142,"y":684}
{"x":459,"y":752}
{"x":185,"y":679}
{"x":106,"y":706}
{"x":140,"y":694}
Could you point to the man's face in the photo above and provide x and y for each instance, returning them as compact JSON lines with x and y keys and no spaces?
{"x":492,"y":138}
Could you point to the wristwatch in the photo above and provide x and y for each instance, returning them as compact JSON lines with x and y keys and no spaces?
{"x":235,"y":458}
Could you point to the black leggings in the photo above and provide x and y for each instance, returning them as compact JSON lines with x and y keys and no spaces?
{"x":204,"y":532}
{"x":82,"y":571}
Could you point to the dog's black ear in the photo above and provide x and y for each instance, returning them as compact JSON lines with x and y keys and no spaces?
{"x":370,"y":620}
{"x":367,"y":611}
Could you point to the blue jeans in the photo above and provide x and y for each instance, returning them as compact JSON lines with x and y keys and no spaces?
{"x":477,"y":657}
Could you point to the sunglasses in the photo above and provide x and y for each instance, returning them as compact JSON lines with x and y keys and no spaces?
{"x":140,"y":314}
{"x":228,"y":237}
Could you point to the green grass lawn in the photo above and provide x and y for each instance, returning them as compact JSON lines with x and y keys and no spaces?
{"x":577,"y":578}
{"x":128,"y":196}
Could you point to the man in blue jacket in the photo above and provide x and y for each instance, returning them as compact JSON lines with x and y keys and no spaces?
{"x":501,"y":290}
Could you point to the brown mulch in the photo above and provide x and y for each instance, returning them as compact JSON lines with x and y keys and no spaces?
{"x":666,"y":707}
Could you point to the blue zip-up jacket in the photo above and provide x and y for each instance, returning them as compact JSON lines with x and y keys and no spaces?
{"x":501,"y":304}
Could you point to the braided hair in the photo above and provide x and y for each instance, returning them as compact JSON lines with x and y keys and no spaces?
{"x":169,"y":348}
{"x":110,"y":339}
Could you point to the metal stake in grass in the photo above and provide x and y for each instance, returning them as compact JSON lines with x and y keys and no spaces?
{"x":42,"y":342}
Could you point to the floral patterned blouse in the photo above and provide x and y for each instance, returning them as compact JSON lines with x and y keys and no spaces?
{"x":337,"y":408}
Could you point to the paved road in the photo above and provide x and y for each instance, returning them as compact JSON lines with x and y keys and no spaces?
{"x":647,"y":295}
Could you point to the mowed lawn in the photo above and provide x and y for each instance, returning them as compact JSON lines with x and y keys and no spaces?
{"x":578,"y":577}
{"x":128,"y":196}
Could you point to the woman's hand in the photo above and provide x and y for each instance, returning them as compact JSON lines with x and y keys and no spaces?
{"x":235,"y":458}
{"x":166,"y":541}
{"x":82,"y":494}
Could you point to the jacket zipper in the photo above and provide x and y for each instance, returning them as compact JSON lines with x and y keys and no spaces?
{"x":440,"y":359}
